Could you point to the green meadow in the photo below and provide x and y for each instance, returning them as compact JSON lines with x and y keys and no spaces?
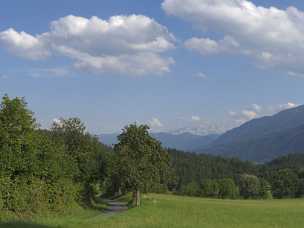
{"x":166,"y":211}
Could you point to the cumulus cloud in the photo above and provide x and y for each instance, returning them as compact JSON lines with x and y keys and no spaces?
{"x":203,"y":45}
{"x":133,"y":44}
{"x":206,"y":46}
{"x":23,"y":44}
{"x":243,"y":115}
{"x":273,"y":36}
{"x":155,"y":123}
{"x":256,"y":111}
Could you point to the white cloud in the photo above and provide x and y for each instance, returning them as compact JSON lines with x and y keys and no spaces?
{"x":23,"y":44}
{"x":131,"y":44}
{"x":195,"y":118}
{"x":289,"y":105}
{"x":155,"y":123}
{"x":203,"y":45}
{"x":201,"y":75}
{"x":206,"y":46}
{"x":273,"y":36}
{"x":256,"y":111}
{"x":249,"y":114}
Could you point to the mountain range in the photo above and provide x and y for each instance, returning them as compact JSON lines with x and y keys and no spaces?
{"x":263,"y":139}
{"x":259,"y":140}
{"x":182,"y":141}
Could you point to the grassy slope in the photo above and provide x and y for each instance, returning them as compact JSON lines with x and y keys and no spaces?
{"x":164,"y":211}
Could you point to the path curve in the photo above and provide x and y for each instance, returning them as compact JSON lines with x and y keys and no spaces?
{"x":115,"y":207}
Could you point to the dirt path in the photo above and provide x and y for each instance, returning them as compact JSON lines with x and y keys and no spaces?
{"x":115,"y":207}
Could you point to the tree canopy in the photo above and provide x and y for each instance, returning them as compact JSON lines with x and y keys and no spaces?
{"x":142,"y":161}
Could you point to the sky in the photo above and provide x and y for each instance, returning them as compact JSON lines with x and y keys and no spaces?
{"x":202,"y":66}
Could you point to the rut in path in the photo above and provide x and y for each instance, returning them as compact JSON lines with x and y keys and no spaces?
{"x":115,"y":207}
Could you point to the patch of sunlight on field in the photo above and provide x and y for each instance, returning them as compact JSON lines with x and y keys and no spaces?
{"x":164,"y":211}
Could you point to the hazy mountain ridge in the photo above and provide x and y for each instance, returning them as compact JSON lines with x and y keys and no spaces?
{"x":183,"y":141}
{"x":264,"y":139}
{"x":264,"y":126}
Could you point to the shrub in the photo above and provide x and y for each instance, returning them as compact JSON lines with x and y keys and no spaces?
{"x":191,"y":189}
{"x":265,"y":190}
{"x":228,"y":189}
{"x":210,"y":188}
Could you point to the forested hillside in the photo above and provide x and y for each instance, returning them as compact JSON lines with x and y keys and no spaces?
{"x":210,"y":176}
{"x":263,"y":139}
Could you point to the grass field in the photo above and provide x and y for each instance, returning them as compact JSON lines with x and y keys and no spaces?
{"x":166,"y":211}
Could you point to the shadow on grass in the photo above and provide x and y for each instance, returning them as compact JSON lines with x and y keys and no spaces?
{"x":17,"y":224}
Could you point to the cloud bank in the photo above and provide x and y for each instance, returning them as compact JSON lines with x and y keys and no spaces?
{"x":272,"y":36}
{"x":133,"y":44}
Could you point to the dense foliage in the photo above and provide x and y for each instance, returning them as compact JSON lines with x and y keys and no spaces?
{"x":210,"y":176}
{"x":142,"y":163}
{"x":46,"y":169}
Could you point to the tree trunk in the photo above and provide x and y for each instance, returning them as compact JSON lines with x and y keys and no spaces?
{"x":136,"y":198}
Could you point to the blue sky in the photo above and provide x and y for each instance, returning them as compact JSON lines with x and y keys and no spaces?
{"x":209,"y":84}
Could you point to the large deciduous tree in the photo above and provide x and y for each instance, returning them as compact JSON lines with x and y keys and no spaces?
{"x":142,"y":161}
{"x":249,"y":186}
{"x":17,"y":127}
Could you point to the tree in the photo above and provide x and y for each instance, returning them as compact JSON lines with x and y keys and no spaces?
{"x":249,"y":186}
{"x":141,"y":160}
{"x":86,"y":154}
{"x":17,"y":126}
{"x":210,"y":188}
{"x":191,"y":189}
{"x":228,"y":189}
{"x":284,"y":183}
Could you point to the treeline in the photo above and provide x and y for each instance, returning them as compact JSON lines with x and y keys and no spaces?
{"x":210,"y":176}
{"x":65,"y":166}
{"x":46,"y":169}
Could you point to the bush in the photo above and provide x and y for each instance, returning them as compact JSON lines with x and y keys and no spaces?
{"x":285,"y":183}
{"x":191,"y":189}
{"x":265,"y":190}
{"x":19,"y":196}
{"x":63,"y":194}
{"x":228,"y":189}
{"x":210,"y":188}
{"x":4,"y":191}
